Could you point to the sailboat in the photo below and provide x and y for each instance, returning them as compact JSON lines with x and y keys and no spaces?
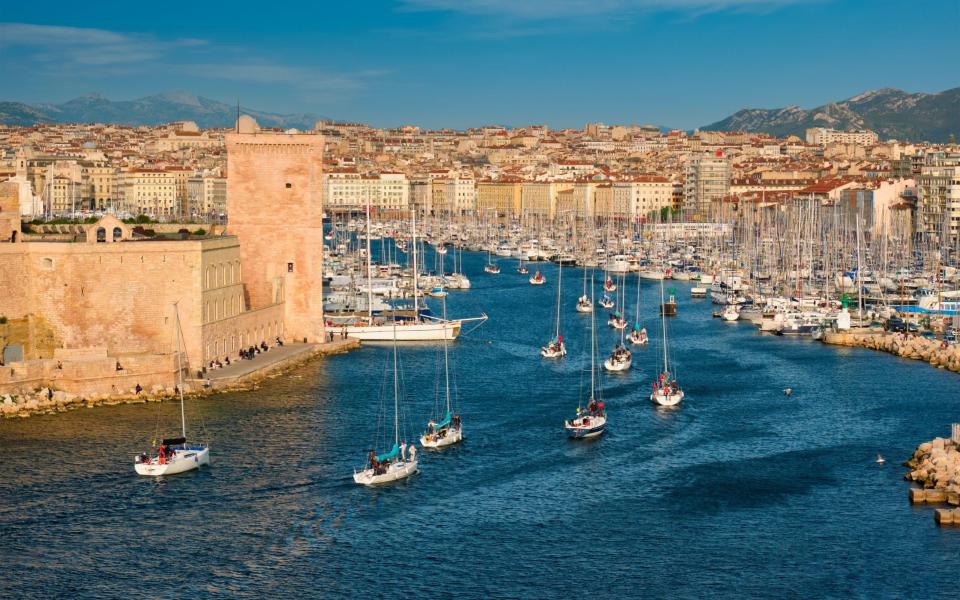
{"x":490,"y":267}
{"x":591,"y":421}
{"x":396,"y":463}
{"x":174,"y":455}
{"x":584,"y":303}
{"x":638,"y":336}
{"x":446,"y":430}
{"x":522,"y":269}
{"x":666,"y":390}
{"x":538,"y":279}
{"x":617,"y":320}
{"x":556,"y":348}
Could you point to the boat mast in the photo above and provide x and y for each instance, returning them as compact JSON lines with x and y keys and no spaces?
{"x":663,"y":326}
{"x":183,"y":414}
{"x":396,"y":389}
{"x":593,"y":343}
{"x":369,"y":269}
{"x":559,"y":278}
{"x":446,"y":357}
{"x":416,"y":311}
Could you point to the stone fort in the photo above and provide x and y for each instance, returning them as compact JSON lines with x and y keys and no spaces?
{"x":93,"y":309}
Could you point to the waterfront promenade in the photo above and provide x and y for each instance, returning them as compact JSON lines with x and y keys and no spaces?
{"x":277,"y":358}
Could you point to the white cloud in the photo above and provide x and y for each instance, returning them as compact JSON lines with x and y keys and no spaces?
{"x":87,"y":46}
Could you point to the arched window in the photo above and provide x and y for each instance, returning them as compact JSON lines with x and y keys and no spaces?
{"x":220,"y":280}
{"x":209,"y":278}
{"x":117,"y":233}
{"x":101,"y":235}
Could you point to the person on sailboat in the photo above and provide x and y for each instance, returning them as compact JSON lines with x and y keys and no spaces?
{"x":403,"y":450}
{"x":162,"y":455}
{"x":456,"y":422}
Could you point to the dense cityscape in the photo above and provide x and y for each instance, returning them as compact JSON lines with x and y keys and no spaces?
{"x":480,"y":299}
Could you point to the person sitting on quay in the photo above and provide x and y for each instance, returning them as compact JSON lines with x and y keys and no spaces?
{"x":138,"y":389}
{"x":264,"y":347}
{"x":119,"y":366}
{"x":279,"y":342}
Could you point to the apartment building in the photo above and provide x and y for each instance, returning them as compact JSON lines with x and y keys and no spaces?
{"x":938,"y":195}
{"x":707,"y":180}
{"x":148,"y":191}
{"x":821,"y":136}
{"x":206,"y":196}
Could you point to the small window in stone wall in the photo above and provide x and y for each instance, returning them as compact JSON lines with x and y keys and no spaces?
{"x":47,"y":263}
{"x":289,"y":185}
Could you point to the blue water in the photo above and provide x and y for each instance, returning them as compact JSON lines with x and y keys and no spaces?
{"x":742,"y":492}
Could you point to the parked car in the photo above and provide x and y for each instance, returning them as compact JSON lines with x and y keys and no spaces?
{"x":896,"y":324}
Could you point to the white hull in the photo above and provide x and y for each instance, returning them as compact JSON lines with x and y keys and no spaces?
{"x":419,"y":332}
{"x":617,"y":365}
{"x":617,"y":324}
{"x":664,"y":399}
{"x":535,"y":281}
{"x":640,"y":339}
{"x":655,"y":275}
{"x":396,"y":472}
{"x":182,"y":461}
{"x":595,"y":426}
{"x":584,"y":307}
{"x":435,"y":441}
{"x":551,"y":353}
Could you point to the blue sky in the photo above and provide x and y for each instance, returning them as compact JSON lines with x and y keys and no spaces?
{"x":460,"y":63}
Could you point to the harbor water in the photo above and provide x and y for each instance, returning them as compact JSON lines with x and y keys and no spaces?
{"x":740,"y":492}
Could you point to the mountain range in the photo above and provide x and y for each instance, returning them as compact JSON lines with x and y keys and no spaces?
{"x":892,"y":113}
{"x":149,"y":110}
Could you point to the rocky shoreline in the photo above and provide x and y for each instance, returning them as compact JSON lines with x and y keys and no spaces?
{"x":933,"y":352}
{"x":935,"y":469}
{"x":46,"y":401}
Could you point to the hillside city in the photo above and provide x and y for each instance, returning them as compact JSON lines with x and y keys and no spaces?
{"x":177,"y":172}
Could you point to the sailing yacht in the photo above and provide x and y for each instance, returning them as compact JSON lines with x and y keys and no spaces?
{"x":584,"y":303}
{"x":445,"y":430}
{"x":396,"y":463}
{"x":556,"y":348}
{"x":174,"y":455}
{"x":522,"y":269}
{"x":591,"y":421}
{"x":491,"y":267}
{"x":666,"y":390}
{"x":638,"y":336}
{"x":537,"y":279}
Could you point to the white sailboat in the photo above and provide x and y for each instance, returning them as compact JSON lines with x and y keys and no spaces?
{"x":537,"y":279}
{"x":174,"y":455}
{"x":584,"y":303}
{"x":491,"y":267}
{"x":666,"y":390}
{"x":556,"y":347}
{"x":591,"y":421}
{"x":638,"y":336}
{"x":447,"y":429}
{"x":397,"y":463}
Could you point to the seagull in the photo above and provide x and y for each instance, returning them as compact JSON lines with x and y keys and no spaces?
{"x":787,"y":391}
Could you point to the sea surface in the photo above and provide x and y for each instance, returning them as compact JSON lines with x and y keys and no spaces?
{"x":741,"y":492}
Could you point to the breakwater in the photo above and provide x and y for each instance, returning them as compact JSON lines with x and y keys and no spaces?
{"x":935,"y":467}
{"x":934,"y":352}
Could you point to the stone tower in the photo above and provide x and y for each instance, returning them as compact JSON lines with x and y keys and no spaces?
{"x":275,"y":208}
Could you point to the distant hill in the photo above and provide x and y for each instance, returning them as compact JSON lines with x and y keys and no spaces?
{"x":890,"y":112}
{"x":149,"y":110}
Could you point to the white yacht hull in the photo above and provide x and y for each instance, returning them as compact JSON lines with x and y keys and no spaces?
{"x":182,"y":461}
{"x":584,"y":308}
{"x":551,"y":353}
{"x":418,"y":332}
{"x":617,"y":365}
{"x":664,"y":399}
{"x":436,"y":441}
{"x":396,"y":472}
